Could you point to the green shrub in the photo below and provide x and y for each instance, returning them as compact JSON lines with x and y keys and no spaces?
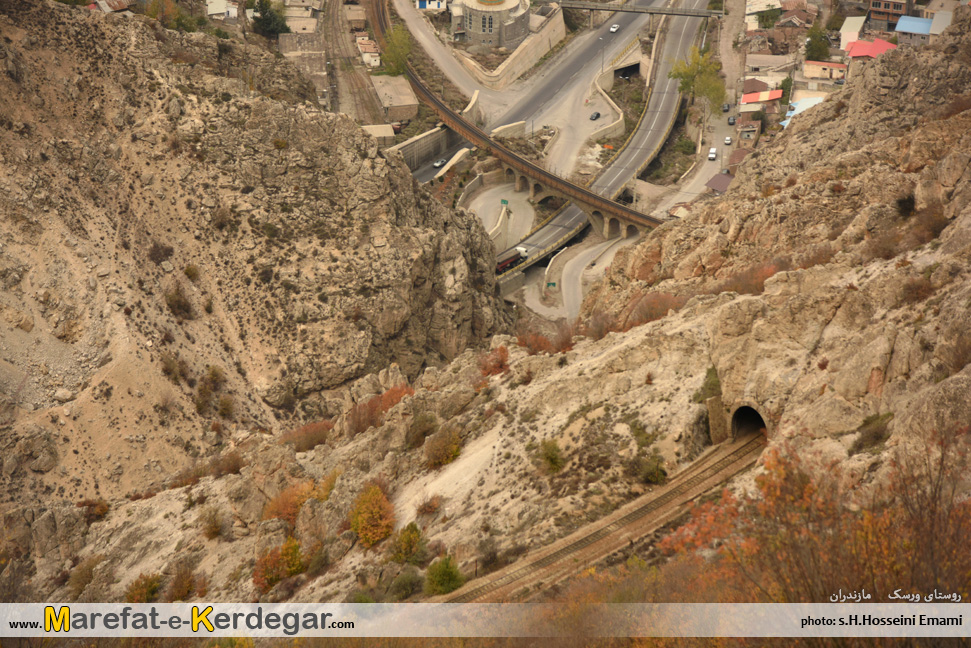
{"x":192,"y":273}
{"x":710,"y":387}
{"x":551,"y":455}
{"x":442,"y":448}
{"x":408,"y":546}
{"x":652,"y":469}
{"x":144,"y":589}
{"x":406,"y":584}
{"x":873,"y":432}
{"x":361,"y":596}
{"x":319,"y":561}
{"x":443,"y":577}
{"x":82,"y":575}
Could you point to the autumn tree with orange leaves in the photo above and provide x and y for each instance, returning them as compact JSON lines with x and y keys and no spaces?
{"x":798,"y":541}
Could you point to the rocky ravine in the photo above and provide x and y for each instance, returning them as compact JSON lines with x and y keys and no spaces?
{"x":873,"y":326}
{"x":190,"y":246}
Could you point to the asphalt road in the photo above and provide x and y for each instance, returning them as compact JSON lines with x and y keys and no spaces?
{"x":583,"y":65}
{"x":426,"y":172}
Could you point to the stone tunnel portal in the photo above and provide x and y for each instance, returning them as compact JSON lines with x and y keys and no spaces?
{"x":746,"y":420}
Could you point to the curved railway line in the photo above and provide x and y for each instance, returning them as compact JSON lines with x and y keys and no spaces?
{"x":616,"y":531}
{"x":381,"y":19}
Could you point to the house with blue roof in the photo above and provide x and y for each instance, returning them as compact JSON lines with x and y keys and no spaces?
{"x":914,"y":31}
{"x":797,"y":107}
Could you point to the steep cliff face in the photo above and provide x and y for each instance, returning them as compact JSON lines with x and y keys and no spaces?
{"x":187,"y":237}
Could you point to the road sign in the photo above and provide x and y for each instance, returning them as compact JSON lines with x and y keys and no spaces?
{"x":503,"y":201}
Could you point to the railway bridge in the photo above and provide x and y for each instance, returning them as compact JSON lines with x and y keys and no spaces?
{"x":606,"y":219}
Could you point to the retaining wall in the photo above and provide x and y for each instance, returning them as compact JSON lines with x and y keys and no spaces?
{"x":529,"y":52}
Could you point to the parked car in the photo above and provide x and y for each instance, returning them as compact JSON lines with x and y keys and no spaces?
{"x":712,"y":153}
{"x":595,"y":116}
{"x":728,"y":141}
{"x":726,"y":107}
{"x":731,"y":121}
{"x":439,"y":163}
{"x":614,"y":29}
{"x":840,"y":81}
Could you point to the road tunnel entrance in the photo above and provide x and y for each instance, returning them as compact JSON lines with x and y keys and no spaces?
{"x":746,"y":420}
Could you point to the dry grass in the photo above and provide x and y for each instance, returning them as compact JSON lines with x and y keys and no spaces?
{"x":442,"y":448}
{"x":309,"y":436}
{"x":370,"y":413}
{"x":227,"y":464}
{"x":915,"y":290}
{"x":495,"y":362}
{"x":286,"y":505}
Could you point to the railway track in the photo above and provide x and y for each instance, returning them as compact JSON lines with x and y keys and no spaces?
{"x":616,"y":531}
{"x":352,"y":84}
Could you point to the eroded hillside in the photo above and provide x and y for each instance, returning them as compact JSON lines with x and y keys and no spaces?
{"x":191,"y":247}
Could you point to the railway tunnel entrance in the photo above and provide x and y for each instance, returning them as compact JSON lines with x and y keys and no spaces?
{"x":746,"y":420}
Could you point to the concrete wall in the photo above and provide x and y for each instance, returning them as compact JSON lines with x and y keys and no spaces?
{"x":529,"y":52}
{"x":516,"y":129}
{"x":630,"y":54}
{"x":616,"y":127}
{"x":455,"y":159}
{"x":473,"y":111}
{"x":421,"y":148}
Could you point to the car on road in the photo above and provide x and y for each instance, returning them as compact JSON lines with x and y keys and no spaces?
{"x":731,"y":121}
{"x":726,"y":107}
{"x":712,"y":153}
{"x":439,"y":163}
{"x":728,"y":141}
{"x":595,"y":116}
{"x":614,"y":29}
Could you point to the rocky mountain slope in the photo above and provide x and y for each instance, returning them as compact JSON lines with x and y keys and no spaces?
{"x":191,"y":246}
{"x":856,"y":218}
{"x":828,"y":291}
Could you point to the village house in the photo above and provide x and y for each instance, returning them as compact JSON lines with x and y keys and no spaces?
{"x":862,"y":51}
{"x":824,"y":70}
{"x":851,"y":30}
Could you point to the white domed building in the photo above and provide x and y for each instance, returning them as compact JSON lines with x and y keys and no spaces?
{"x":493,"y":23}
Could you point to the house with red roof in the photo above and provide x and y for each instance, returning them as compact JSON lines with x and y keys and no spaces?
{"x":861,"y":51}
{"x":866,"y":49}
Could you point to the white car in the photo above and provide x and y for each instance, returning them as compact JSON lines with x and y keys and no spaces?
{"x":728,"y":141}
{"x":614,"y":29}
{"x":713,"y":154}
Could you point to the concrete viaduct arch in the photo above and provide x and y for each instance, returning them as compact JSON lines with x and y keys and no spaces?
{"x":611,"y":227}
